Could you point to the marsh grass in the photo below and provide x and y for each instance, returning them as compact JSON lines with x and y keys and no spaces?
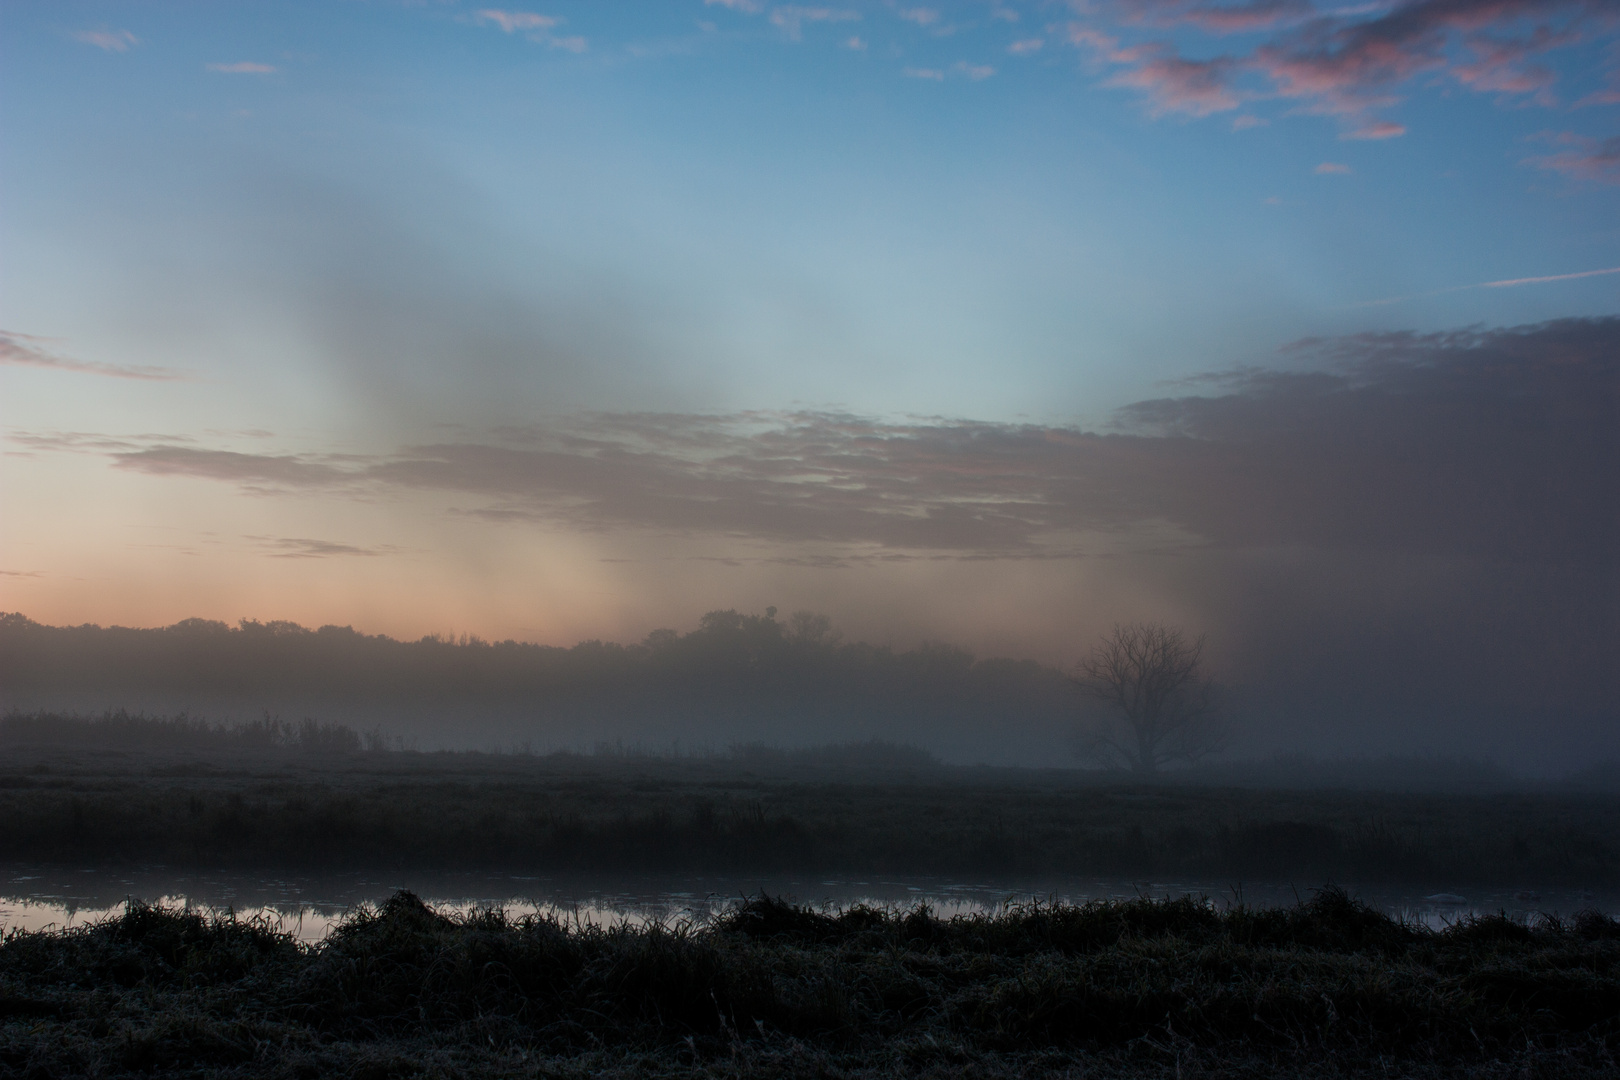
{"x":1134,"y":988}
{"x":284,"y":809}
{"x":189,"y":795}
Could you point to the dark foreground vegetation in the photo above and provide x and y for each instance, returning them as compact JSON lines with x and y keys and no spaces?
{"x":181,"y":793}
{"x":1330,"y":988}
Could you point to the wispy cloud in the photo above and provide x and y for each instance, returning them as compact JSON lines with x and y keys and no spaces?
{"x":512,"y":22}
{"x":287,"y":547}
{"x":256,"y":472}
{"x":930,"y":74}
{"x":1216,"y":18}
{"x":922,"y":16}
{"x":791,"y":18}
{"x":25,"y":350}
{"x":1175,"y":85}
{"x":242,"y":67}
{"x":1510,"y":282}
{"x":107,"y":40}
{"x":533,"y":25}
{"x":1331,"y":168}
{"x":1506,"y":283}
{"x":1585,"y":158}
{"x":1373,"y":130}
{"x":1026,"y":46}
{"x":748,"y":7}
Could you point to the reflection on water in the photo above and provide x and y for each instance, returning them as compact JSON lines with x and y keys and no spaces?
{"x":34,"y":897}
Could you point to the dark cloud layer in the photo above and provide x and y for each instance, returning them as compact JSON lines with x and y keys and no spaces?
{"x":1497,"y":445}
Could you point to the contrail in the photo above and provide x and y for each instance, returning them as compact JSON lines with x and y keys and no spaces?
{"x":1506,"y":283}
{"x":1553,"y":277}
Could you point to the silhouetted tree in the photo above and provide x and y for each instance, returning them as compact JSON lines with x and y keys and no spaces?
{"x":1153,"y":680}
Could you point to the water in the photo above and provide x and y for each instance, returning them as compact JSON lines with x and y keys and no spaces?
{"x":35,"y":897}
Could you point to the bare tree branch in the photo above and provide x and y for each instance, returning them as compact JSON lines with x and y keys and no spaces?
{"x":1153,"y":678}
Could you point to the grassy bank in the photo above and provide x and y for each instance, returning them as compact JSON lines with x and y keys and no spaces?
{"x":1138,"y":988}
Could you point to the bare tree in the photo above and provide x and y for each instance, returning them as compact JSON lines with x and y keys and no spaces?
{"x":1154,"y":680}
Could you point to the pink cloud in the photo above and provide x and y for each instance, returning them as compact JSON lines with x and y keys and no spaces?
{"x":1349,"y":67}
{"x":1190,"y":87}
{"x":242,"y":67}
{"x":1172,"y":84}
{"x":747,"y":7}
{"x":1610,"y":94}
{"x":1587,"y":158}
{"x":1351,"y":62}
{"x":1245,"y":122}
{"x":26,"y":350}
{"x":1214,"y":17}
{"x":1331,"y":168}
{"x":1028,"y":45}
{"x":1106,"y":46}
{"x":107,"y":40}
{"x":1376,"y":129}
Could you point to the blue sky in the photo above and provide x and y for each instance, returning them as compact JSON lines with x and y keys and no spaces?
{"x":701,"y":208}
{"x":580,"y":319}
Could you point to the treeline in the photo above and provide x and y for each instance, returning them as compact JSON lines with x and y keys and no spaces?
{"x":123,"y":731}
{"x":734,"y":679}
{"x":757,"y":650}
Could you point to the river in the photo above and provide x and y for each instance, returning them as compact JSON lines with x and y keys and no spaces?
{"x":33,"y":897}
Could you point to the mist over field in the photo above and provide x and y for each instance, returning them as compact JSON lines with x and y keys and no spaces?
{"x":735,"y":679}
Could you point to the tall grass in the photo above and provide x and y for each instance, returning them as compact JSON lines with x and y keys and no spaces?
{"x":1132,"y":988}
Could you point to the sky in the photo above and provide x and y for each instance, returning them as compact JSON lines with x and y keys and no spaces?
{"x":1291,"y":322}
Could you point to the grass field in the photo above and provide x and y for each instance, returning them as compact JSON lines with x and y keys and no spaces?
{"x":1122,"y":989}
{"x":283,"y":808}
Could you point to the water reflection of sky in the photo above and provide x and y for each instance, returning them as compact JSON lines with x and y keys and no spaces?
{"x":35,"y":897}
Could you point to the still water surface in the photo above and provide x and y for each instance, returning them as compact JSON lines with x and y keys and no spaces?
{"x":34,"y":897}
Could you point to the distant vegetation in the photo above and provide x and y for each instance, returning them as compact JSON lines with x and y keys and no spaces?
{"x":727,"y":649}
{"x":735,"y":679}
{"x":121,"y":731}
{"x":328,"y":803}
{"x":1141,"y":988}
